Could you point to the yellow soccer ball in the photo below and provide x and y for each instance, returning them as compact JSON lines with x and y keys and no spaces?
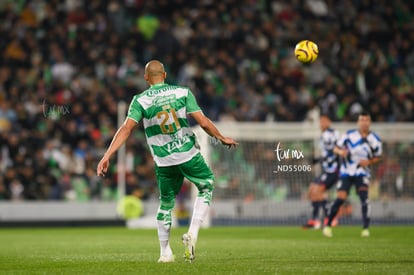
{"x":306,"y":51}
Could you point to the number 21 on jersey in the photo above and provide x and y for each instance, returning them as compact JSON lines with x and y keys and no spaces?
{"x":165,"y":115}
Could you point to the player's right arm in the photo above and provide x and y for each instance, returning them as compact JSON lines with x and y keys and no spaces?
{"x":209,"y":127}
{"x":119,"y":138}
{"x":340,"y":151}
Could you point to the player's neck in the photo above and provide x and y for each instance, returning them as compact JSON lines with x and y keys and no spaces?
{"x":364,"y":133}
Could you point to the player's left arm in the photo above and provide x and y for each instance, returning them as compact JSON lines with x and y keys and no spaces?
{"x":205,"y":123}
{"x":208,"y":126}
{"x":368,"y":162}
{"x":377,"y":155}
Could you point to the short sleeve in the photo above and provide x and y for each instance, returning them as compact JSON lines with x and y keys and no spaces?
{"x":191,"y":103}
{"x":377,"y":146}
{"x":378,"y":150}
{"x":135,"y":110}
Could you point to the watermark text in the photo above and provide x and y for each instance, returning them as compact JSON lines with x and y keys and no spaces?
{"x":53,"y":110}
{"x":290,"y":155}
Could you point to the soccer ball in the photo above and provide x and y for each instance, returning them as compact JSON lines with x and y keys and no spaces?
{"x":306,"y":51}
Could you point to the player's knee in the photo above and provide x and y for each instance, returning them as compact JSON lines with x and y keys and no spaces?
{"x":322,"y":188}
{"x":338,"y":202}
{"x":205,"y":186}
{"x":206,"y":193}
{"x":313,"y":191}
{"x":321,"y":191}
{"x":342,"y":195}
{"x":165,"y":210}
{"x":167,"y":204}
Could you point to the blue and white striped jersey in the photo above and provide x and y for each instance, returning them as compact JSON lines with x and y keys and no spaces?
{"x":359,"y":148}
{"x":327,"y":144}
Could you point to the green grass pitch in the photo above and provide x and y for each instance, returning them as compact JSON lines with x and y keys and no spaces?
{"x":220,"y":250}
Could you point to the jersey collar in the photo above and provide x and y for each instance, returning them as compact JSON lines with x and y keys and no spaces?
{"x":158,"y":85}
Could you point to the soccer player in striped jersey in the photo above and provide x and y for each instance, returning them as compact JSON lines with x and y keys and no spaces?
{"x":329,"y":175}
{"x":163,"y":109}
{"x":358,"y":149}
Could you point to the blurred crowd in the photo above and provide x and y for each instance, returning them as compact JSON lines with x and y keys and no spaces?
{"x":66,"y":64}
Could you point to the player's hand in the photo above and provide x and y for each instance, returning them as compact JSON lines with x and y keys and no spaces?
{"x":102,"y":167}
{"x":342,"y":152}
{"x":229,"y":142}
{"x":364,"y":162}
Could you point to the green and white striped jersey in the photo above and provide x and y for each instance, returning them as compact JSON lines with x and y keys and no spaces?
{"x":164,"y":109}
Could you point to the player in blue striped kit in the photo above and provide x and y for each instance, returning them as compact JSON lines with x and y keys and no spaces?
{"x":330,"y":171}
{"x":358,"y":149}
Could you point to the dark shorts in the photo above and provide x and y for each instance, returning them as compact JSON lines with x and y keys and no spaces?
{"x":327,"y":180}
{"x":345,"y":183}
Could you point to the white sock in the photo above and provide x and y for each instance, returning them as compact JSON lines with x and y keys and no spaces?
{"x":200,"y":211}
{"x":164,"y":236}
